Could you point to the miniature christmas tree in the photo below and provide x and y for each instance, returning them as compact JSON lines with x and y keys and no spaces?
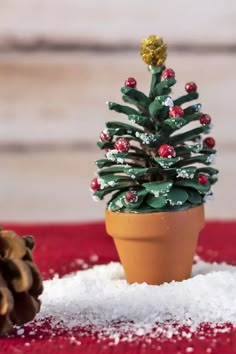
{"x":153,"y":163}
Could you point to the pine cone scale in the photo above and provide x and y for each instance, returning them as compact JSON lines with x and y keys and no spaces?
{"x":6,"y":301}
{"x":20,"y":281}
{"x":5,"y":325}
{"x":11,"y":245}
{"x":29,"y":241}
{"x":20,"y":275}
{"x":37,"y":284}
{"x":25,"y":308}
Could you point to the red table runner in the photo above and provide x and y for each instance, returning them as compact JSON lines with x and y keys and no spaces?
{"x":60,"y":245}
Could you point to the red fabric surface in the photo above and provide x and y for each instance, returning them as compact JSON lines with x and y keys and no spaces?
{"x":58,"y":246}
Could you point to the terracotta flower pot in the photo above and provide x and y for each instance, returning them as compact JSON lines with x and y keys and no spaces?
{"x":156,"y":247}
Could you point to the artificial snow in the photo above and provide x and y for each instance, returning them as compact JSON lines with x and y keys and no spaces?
{"x":146,"y":138}
{"x":197,"y":107}
{"x":184,"y":174}
{"x":168,"y":102}
{"x":119,"y":203}
{"x":111,"y":155}
{"x":104,"y":184}
{"x":120,"y":160}
{"x":95,"y":198}
{"x":211,"y":159}
{"x":173,"y":203}
{"x":100,"y":300}
{"x":208,"y":197}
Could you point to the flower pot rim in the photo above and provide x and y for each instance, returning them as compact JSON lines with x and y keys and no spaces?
{"x":148,"y":225}
{"x":153,"y":212}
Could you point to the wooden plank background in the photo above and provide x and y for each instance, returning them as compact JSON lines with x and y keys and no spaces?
{"x":61,"y":60}
{"x":118,"y":22}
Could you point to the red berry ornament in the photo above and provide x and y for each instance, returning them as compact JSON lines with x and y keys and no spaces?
{"x":202,"y":179}
{"x":131,"y":82}
{"x":122,"y":145}
{"x":176,"y":111}
{"x":131,"y":197}
{"x":190,"y":87}
{"x":205,"y":119}
{"x":105,"y":137}
{"x":209,"y":142}
{"x":95,"y":186}
{"x":168,"y":73}
{"x":166,"y":151}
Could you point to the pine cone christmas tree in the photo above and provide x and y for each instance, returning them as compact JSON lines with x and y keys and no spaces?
{"x":20,"y":281}
{"x":154,"y":163}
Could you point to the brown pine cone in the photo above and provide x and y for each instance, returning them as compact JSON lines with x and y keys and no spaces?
{"x":20,"y":281}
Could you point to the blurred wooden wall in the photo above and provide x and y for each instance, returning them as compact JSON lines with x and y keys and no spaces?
{"x":61,"y":60}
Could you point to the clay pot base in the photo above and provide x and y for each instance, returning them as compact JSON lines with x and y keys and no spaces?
{"x":156,"y":247}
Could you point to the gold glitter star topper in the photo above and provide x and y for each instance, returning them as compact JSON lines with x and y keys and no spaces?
{"x":153,"y":51}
